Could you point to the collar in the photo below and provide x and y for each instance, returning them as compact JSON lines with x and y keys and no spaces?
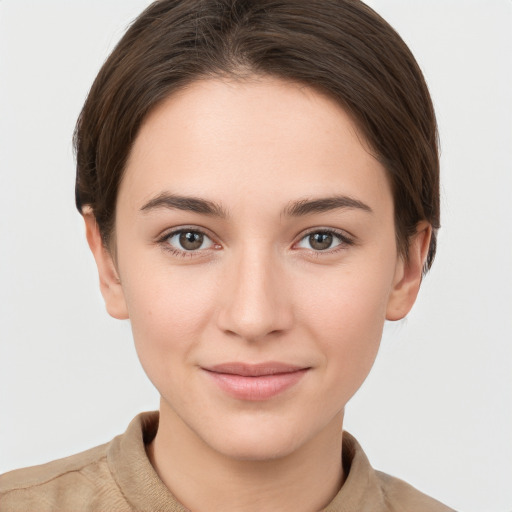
{"x":143,"y":489}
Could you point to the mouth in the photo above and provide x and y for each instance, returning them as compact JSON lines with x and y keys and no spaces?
{"x":255,"y":382}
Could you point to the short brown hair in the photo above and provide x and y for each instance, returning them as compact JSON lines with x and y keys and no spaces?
{"x":339,"y":47}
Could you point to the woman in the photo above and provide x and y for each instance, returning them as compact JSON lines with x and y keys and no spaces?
{"x":260,"y":188}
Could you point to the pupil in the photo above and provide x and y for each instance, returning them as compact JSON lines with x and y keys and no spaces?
{"x":320,"y":241}
{"x":191,"y":240}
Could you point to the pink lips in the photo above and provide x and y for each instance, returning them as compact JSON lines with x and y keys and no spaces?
{"x":255,"y":382}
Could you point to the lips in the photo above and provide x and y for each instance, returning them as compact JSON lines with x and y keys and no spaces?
{"x":255,"y":382}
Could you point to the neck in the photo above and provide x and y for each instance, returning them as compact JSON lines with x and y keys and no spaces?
{"x":203,"y":479}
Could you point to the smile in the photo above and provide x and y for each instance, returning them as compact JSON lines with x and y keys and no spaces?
{"x":255,"y":382}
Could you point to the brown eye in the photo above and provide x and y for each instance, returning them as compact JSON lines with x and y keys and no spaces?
{"x":320,"y":241}
{"x":323,"y":241}
{"x":191,"y":240}
{"x":188,"y":240}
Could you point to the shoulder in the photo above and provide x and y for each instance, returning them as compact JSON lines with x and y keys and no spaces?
{"x":44,"y":473}
{"x":403,"y":497}
{"x":366,"y":489}
{"x":71,"y":483}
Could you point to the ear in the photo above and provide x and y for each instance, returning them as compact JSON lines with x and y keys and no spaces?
{"x":110,"y":284}
{"x":408,"y":274}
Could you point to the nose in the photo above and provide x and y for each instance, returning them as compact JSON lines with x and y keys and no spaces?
{"x":256,"y":301}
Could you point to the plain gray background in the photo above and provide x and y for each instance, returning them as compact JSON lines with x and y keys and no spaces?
{"x":437,"y":408}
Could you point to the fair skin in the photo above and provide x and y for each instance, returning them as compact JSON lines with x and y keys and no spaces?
{"x":251,"y":276}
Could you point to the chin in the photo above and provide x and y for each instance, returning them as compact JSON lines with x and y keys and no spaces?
{"x":258,"y":450}
{"x":260,"y":439}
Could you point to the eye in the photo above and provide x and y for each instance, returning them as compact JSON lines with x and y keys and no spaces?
{"x":189,"y":240}
{"x":323,"y":240}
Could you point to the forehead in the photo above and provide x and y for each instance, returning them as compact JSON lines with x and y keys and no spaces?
{"x":263,"y":137}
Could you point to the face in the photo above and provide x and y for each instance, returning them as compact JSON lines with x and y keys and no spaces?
{"x":257,"y":262}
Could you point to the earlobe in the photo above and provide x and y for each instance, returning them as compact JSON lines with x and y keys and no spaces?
{"x":110,"y":284}
{"x":409,"y":273}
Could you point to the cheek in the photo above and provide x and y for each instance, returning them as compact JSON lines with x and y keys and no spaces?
{"x":346,"y":317}
{"x":349,"y":300}
{"x":168,"y":309}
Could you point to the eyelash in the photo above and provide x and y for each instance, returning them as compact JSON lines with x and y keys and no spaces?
{"x":163,"y":241}
{"x":344,"y":239}
{"x":345,"y":242}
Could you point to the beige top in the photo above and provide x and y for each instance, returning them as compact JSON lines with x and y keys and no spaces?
{"x":118,"y":477}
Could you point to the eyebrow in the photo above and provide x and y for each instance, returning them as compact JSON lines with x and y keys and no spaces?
{"x":185,"y":203}
{"x":298,"y":208}
{"x":309,"y":206}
